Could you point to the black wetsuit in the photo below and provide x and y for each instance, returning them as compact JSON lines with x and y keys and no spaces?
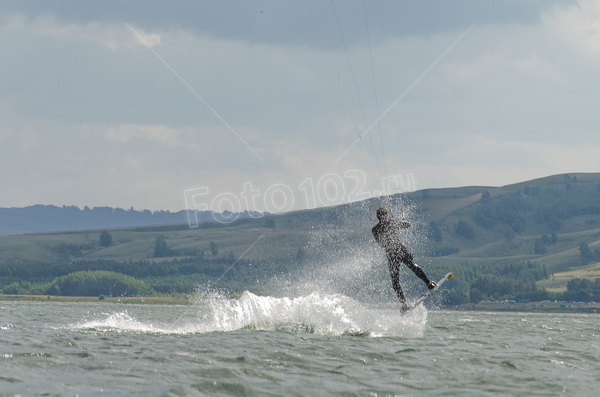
{"x":387,"y":235}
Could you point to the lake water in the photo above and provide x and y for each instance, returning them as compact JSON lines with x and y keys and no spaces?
{"x":317,"y":345}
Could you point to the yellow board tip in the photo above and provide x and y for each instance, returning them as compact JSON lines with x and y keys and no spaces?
{"x":450,"y":276}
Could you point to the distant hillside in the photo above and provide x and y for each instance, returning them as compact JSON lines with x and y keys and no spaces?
{"x":506,"y":238}
{"x":470,"y":225}
{"x":517,"y":221}
{"x":50,"y":218}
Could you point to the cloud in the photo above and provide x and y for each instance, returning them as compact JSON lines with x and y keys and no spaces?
{"x":293,"y":23}
{"x":160,"y":133}
{"x":92,"y":117}
{"x":28,"y":140}
{"x":580,"y":24}
{"x":4,"y":133}
{"x":110,"y":35}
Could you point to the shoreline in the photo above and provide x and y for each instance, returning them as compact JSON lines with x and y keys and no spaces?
{"x":140,"y":300}
{"x":530,"y":307}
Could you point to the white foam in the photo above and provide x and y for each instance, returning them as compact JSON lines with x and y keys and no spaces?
{"x":315,"y":313}
{"x":121,"y":321}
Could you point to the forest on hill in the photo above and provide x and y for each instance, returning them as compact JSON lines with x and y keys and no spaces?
{"x":506,"y":242}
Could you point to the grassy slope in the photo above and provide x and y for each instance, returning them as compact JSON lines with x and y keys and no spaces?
{"x":294,"y":230}
{"x":448,"y":206}
{"x":558,"y":282}
{"x":138,"y":243}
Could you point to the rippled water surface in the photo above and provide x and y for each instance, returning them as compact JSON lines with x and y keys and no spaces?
{"x":313,"y":345}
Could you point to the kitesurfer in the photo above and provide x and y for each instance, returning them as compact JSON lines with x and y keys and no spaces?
{"x":387,"y":235}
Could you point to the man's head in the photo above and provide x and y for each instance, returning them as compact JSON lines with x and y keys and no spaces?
{"x":382,"y":213}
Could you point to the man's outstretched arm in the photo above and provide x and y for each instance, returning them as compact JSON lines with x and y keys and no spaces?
{"x":402,"y":224}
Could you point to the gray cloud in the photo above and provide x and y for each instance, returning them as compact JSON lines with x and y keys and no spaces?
{"x":90,"y":116}
{"x":291,"y":23}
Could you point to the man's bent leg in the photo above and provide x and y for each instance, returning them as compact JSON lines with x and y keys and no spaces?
{"x":419,"y":272}
{"x":407,"y":259}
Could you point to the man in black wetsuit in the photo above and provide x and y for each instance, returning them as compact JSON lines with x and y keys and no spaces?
{"x":387,"y":235}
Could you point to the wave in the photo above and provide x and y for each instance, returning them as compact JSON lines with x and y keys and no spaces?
{"x":317,"y":313}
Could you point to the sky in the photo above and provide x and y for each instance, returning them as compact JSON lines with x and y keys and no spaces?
{"x":272,"y":106}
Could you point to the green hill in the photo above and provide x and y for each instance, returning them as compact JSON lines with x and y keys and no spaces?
{"x":509,"y":221}
{"x":543,"y":221}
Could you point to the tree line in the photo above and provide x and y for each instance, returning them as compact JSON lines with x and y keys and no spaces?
{"x":84,"y":283}
{"x":514,"y":280}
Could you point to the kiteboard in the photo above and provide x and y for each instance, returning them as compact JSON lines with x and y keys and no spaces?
{"x":421,"y":298}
